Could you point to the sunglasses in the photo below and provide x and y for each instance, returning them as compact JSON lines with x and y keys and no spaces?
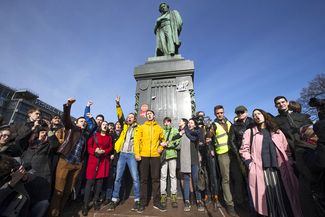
{"x":240,"y":112}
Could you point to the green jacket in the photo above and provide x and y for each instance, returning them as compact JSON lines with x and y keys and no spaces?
{"x":173,"y":145}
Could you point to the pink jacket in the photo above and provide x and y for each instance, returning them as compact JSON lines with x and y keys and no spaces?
{"x":256,"y":177}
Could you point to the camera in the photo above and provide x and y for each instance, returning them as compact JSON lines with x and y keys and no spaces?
{"x":315,"y":102}
{"x":207,"y":122}
{"x":42,"y":123}
{"x":199,"y":120}
{"x":204,"y":121}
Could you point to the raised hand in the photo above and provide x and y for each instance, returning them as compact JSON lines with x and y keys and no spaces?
{"x":90,"y":103}
{"x":117,"y":100}
{"x":71,"y":101}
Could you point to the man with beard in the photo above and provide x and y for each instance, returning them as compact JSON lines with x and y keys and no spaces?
{"x":71,"y":159}
{"x":126,"y":149}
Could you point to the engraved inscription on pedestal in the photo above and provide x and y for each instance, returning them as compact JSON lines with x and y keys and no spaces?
{"x":165,"y":84}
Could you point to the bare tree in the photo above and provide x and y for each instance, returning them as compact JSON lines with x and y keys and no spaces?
{"x":316,"y":88}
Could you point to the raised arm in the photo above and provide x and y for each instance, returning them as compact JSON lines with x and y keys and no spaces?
{"x":67,"y":122}
{"x":92,"y":127}
{"x":87,"y":110}
{"x":119,"y":111}
{"x":192,"y":135}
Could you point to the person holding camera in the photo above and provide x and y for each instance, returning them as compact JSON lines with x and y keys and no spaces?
{"x":8,"y":146}
{"x":36,"y":162}
{"x":14,"y":199}
{"x":22,"y":131}
{"x":99,"y":148}
{"x":210,"y":178}
{"x":319,"y":129}
{"x":315,"y":161}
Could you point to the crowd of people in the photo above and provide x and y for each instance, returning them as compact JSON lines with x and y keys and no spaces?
{"x":274,"y":165}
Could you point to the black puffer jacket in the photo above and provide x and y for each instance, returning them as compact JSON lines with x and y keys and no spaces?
{"x":21,"y":132}
{"x":36,"y":157}
{"x":236,"y":133}
{"x":290,"y":124}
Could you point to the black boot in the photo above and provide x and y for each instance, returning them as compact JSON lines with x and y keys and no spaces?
{"x":96,"y":205}
{"x":84,"y":210}
{"x":192,"y":198}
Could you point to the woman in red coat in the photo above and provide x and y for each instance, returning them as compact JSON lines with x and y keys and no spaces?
{"x":99,"y":148}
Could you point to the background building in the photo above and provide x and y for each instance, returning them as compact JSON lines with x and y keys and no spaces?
{"x":14,"y":105}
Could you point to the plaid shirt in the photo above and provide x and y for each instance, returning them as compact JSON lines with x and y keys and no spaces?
{"x":75,"y":154}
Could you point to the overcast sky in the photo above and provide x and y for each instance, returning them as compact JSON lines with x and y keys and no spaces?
{"x":245,"y":52}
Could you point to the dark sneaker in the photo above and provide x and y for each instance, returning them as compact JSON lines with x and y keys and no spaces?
{"x":136,"y":206}
{"x":105,"y":202}
{"x":160,"y":207}
{"x":174,"y":201}
{"x":96,"y":205}
{"x":163,"y":200}
{"x":192,"y":198}
{"x":101,"y":200}
{"x":231,"y":211}
{"x":140,"y":209}
{"x":200,"y":206}
{"x":216,"y":205}
{"x":187,"y":206}
{"x":112,"y":205}
{"x":84,"y":210}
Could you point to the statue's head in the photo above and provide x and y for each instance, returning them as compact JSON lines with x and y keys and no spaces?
{"x":163,"y":7}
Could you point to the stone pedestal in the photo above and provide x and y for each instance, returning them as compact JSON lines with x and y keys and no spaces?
{"x":165,"y":85}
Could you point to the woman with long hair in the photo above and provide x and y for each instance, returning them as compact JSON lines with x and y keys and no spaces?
{"x":99,"y":148}
{"x":272,"y":183}
{"x":189,"y":160}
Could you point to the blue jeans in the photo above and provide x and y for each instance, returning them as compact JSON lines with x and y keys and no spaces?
{"x":195,"y":180}
{"x":129,"y":159}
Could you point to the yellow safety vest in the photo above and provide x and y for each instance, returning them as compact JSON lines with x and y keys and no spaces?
{"x":221,"y":145}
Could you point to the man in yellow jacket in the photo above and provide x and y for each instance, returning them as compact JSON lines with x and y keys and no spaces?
{"x":148,"y":145}
{"x":126,"y":148}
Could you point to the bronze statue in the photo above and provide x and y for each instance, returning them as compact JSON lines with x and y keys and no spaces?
{"x":167,"y":30}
